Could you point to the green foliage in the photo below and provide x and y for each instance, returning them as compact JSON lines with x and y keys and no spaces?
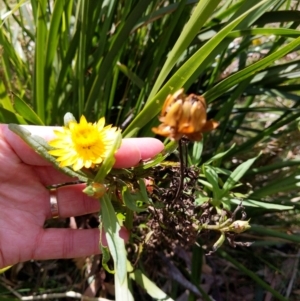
{"x":120,"y":59}
{"x":115,"y":243}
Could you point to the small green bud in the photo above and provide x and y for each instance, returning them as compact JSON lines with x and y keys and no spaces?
{"x":239,"y":226}
{"x":96,"y":190}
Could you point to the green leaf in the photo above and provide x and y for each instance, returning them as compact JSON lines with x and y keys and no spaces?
{"x":201,"y":13}
{"x":109,"y":161}
{"x":122,"y":290}
{"x":41,"y":34}
{"x":232,"y":80}
{"x":287,"y":183}
{"x":206,"y":184}
{"x":7,"y":112}
{"x":237,"y":174}
{"x":112,"y":56}
{"x":280,"y":233}
{"x":219,"y":155}
{"x":195,"y":157}
{"x":26,"y":111}
{"x":116,"y":244}
{"x":259,"y":204}
{"x":143,"y":191}
{"x":52,"y":39}
{"x":7,"y":116}
{"x":266,"y":133}
{"x":144,"y":282}
{"x":292,"y":33}
{"x":105,"y":257}
{"x":131,"y":75}
{"x":141,"y":168}
{"x":272,"y":167}
{"x":213,"y":179}
{"x":5,"y":101}
{"x":131,"y":200}
{"x":252,"y":275}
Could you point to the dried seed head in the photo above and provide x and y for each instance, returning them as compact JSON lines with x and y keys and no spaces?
{"x":184,"y":115}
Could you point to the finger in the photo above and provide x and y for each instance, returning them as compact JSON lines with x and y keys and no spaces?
{"x":69,"y":243}
{"x":130,"y":153}
{"x":66,"y":243}
{"x":19,"y":152}
{"x":50,"y":176}
{"x":72,"y":201}
{"x":20,"y":147}
{"x":133,"y":150}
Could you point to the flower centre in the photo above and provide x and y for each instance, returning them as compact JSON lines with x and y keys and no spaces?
{"x":85,"y":137}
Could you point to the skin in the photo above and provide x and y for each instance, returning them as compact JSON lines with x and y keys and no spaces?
{"x":25,"y":201}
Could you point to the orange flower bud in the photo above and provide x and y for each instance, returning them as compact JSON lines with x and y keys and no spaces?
{"x":184,"y":115}
{"x":96,"y":190}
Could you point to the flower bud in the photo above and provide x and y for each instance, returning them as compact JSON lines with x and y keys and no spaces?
{"x":69,"y":117}
{"x":96,"y":190}
{"x":239,"y":226}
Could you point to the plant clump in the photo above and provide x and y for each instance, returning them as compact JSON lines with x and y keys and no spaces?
{"x":181,"y":221}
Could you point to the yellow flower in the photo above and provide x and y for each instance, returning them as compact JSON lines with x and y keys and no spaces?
{"x":83,"y":144}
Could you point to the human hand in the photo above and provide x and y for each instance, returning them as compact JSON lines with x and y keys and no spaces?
{"x":25,"y":200}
